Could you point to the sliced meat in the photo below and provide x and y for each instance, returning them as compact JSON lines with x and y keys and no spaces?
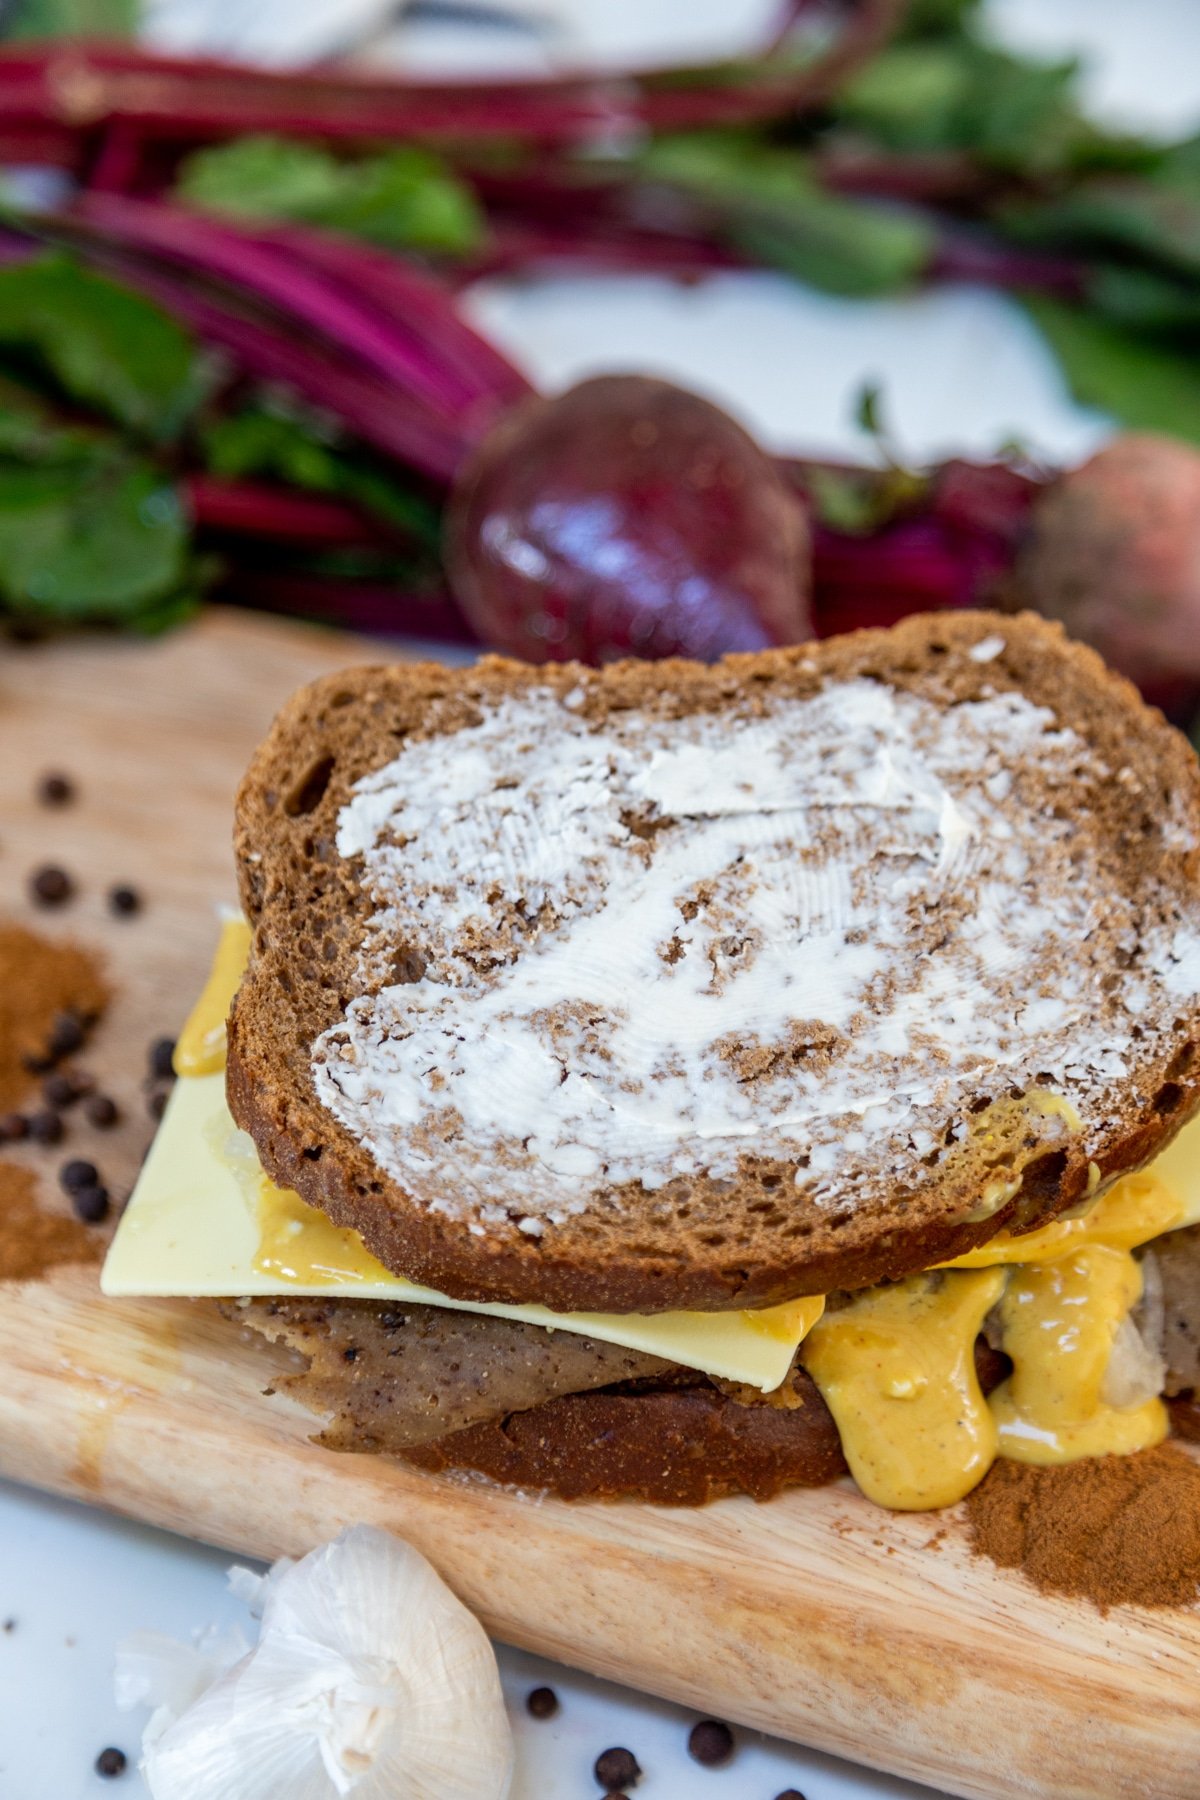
{"x":388,"y":1376}
{"x":1176,"y":1265}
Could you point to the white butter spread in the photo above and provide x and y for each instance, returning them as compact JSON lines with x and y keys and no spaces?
{"x":652,"y":947}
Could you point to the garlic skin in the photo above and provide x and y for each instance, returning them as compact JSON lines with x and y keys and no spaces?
{"x":153,"y":1670}
{"x":369,"y":1679}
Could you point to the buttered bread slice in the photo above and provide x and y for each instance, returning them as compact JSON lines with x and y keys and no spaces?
{"x":672,"y":986}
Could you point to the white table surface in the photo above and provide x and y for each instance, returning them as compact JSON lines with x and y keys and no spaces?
{"x":960,"y":370}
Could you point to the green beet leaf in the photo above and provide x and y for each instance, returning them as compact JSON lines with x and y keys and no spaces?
{"x":404,"y":198}
{"x":272,"y":442}
{"x":956,"y":94}
{"x":107,"y":541}
{"x":104,"y":346}
{"x":1146,"y":385}
{"x":1145,"y":300}
{"x":71,"y":18}
{"x":767,"y":203}
{"x":1151,"y":220}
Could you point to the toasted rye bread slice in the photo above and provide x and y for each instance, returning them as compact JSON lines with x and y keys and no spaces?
{"x":809,"y":943}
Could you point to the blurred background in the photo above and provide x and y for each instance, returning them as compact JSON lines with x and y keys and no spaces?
{"x":295,"y":298}
{"x":281,"y":286}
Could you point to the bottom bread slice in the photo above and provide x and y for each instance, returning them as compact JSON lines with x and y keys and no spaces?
{"x":681,"y":1446}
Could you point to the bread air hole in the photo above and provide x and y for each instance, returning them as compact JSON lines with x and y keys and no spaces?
{"x":1041,"y":1180}
{"x":408,"y":965}
{"x":1167,"y":1098}
{"x":309,"y":791}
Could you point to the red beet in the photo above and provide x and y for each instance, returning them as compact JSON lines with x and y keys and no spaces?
{"x":627,"y":517}
{"x":1114,"y":553}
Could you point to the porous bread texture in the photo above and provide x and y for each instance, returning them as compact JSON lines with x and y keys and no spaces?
{"x":1116,"y":822}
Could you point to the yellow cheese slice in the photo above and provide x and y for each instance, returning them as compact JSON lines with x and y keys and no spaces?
{"x":203,"y":1220}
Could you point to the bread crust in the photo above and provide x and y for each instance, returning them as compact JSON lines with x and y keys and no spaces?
{"x":305,"y":905}
{"x":671,"y":1447}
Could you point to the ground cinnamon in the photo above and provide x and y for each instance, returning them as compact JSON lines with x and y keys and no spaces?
{"x":39,"y":982}
{"x":1116,"y":1530}
{"x":33,"y":1240}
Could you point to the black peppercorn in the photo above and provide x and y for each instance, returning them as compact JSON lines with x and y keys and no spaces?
{"x":13,"y":1127}
{"x":710,"y":1743}
{"x":50,"y":885}
{"x":101,"y":1111}
{"x":617,"y":1768}
{"x":55,"y":789}
{"x":78,"y":1174}
{"x":46,"y":1128}
{"x":162,"y":1059}
{"x":60,"y":1090}
{"x":111,"y":1762}
{"x":91,"y":1204}
{"x":66,"y":1035}
{"x":541,"y":1703}
{"x":124,"y":900}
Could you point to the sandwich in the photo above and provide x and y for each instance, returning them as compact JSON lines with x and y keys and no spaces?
{"x":668,"y":1080}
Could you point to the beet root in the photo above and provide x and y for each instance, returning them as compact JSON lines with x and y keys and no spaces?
{"x":627,"y":517}
{"x":1113,"y":552}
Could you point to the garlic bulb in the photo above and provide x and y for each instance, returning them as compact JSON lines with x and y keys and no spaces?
{"x":369,"y":1679}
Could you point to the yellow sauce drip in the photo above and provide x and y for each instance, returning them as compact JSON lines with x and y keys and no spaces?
{"x":787,"y":1323}
{"x":897,"y":1370}
{"x":995,"y":1132}
{"x":200,"y":1049}
{"x":1059,"y":1322}
{"x":1132,"y":1212}
{"x":299,"y":1247}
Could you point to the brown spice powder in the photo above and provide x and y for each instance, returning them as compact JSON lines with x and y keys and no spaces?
{"x":1116,"y":1530}
{"x":38,"y":981}
{"x":33,"y":1240}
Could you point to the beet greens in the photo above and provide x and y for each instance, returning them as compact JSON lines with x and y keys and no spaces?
{"x":280,"y":254}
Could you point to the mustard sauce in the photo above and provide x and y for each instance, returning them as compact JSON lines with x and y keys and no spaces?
{"x":783,"y":1324}
{"x":896,"y":1367}
{"x":1063,"y":1291}
{"x":1059,"y":1322}
{"x":1137,"y":1209}
{"x":200,"y":1048}
{"x":299,"y":1246}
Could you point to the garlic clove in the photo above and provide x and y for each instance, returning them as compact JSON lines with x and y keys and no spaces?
{"x":369,"y":1679}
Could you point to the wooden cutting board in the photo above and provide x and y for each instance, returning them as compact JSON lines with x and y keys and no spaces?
{"x":819,"y":1617}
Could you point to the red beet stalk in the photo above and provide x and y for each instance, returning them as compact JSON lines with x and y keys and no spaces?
{"x":371,"y":409}
{"x":284,"y":282}
{"x":350,"y":329}
{"x":84,"y":87}
{"x":282,"y":515}
{"x":355,"y":605}
{"x":400,"y":291}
